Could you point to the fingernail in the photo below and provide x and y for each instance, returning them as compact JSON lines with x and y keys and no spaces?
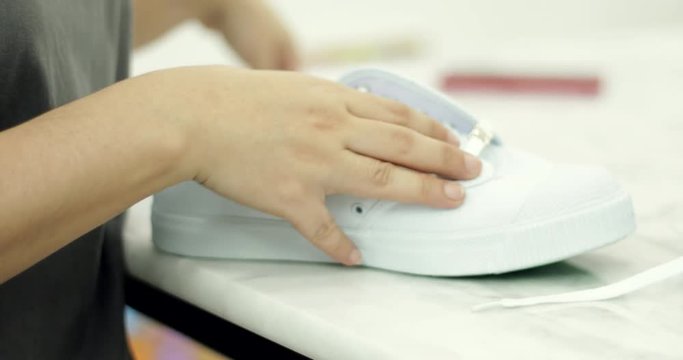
{"x":472,"y":164}
{"x":454,"y":191}
{"x":355,"y":258}
{"x":451,"y":138}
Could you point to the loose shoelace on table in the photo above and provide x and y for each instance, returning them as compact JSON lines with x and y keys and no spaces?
{"x":619,"y":288}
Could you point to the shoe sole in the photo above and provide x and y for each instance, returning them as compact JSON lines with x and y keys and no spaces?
{"x":489,"y":251}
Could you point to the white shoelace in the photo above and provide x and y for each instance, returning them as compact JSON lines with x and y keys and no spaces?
{"x":619,"y":288}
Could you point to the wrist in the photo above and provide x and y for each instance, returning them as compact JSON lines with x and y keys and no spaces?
{"x":165,"y":122}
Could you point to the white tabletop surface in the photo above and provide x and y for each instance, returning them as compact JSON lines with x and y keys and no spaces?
{"x":634,"y":128}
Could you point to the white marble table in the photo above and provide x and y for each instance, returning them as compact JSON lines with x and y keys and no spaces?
{"x":635,"y":128}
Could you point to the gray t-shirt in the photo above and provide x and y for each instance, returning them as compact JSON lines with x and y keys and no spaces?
{"x":70,"y":305}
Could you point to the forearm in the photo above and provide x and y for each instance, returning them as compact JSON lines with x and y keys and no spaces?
{"x":249,"y":26}
{"x":153,"y":18}
{"x":75,"y":167}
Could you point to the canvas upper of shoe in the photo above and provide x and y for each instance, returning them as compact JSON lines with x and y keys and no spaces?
{"x":515,"y":187}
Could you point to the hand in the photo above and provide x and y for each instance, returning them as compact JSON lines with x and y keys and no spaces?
{"x":253,"y":31}
{"x":281,"y":141}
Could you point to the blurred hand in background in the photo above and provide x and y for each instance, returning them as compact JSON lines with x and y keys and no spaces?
{"x":250,"y":27}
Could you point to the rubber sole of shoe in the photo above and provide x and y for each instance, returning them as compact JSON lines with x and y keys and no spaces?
{"x":487,"y":251}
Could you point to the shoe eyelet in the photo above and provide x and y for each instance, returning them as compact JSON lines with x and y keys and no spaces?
{"x":358,"y":209}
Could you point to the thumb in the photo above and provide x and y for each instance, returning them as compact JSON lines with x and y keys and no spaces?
{"x":316,"y":224}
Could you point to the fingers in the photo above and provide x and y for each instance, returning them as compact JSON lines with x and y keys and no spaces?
{"x":374,"y":107}
{"x":371,"y":178}
{"x":316,"y":224}
{"x":403,"y":146}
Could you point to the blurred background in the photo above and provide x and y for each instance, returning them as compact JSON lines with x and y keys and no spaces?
{"x":610,"y":72}
{"x":442,"y":32}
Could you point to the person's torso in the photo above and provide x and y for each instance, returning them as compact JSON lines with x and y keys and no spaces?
{"x":70,"y":305}
{"x":53,"y":52}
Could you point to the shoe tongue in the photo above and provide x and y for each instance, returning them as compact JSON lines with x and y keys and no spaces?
{"x":619,"y":288}
{"x":418,"y":97}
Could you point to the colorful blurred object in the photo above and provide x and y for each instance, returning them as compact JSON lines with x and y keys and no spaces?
{"x":586,"y":85}
{"x":366,"y":51}
{"x":150,"y":340}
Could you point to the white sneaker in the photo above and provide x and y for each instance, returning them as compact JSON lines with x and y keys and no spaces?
{"x":521,"y":212}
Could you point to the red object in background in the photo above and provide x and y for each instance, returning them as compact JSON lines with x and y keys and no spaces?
{"x":521,"y":84}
